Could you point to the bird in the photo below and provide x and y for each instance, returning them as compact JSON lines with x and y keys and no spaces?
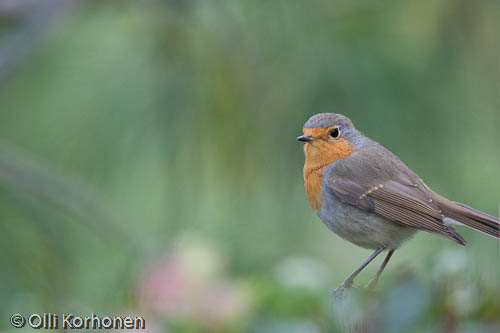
{"x":368,"y":196}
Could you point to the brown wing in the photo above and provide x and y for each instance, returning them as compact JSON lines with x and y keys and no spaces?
{"x":397,"y":202}
{"x":389,"y":188}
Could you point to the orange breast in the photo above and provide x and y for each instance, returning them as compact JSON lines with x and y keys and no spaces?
{"x":313,"y":183}
{"x":319,"y":155}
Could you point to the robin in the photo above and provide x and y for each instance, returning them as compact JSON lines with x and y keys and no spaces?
{"x":368,"y":196}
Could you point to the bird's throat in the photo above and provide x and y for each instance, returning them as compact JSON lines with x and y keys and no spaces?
{"x":319,"y":155}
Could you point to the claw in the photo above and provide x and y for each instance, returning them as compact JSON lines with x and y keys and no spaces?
{"x":345,"y":285}
{"x":372,"y":284}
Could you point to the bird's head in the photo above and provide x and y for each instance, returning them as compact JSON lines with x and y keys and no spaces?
{"x":329,"y":137}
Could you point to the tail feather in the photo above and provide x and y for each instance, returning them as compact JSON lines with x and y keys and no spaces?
{"x":472,"y":218}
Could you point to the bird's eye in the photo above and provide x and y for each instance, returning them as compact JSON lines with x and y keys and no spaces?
{"x":335,"y":133}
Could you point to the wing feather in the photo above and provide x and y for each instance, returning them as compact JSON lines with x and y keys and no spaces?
{"x":392,"y":191}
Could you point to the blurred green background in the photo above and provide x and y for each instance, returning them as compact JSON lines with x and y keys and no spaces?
{"x":148,"y":162}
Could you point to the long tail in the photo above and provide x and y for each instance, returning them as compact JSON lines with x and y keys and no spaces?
{"x":470,"y":217}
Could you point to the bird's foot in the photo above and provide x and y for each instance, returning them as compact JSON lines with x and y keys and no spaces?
{"x":373,"y":283}
{"x":339,"y":291}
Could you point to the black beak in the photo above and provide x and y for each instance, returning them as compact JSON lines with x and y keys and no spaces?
{"x":306,"y":138}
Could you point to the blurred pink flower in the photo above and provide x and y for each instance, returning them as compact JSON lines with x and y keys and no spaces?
{"x":167,"y":285}
{"x":188,"y":283}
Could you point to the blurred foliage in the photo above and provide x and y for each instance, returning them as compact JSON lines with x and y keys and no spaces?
{"x":131,"y":128}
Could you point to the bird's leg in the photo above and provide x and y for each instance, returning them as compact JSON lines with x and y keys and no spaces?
{"x":374,"y":281}
{"x":347,"y":282}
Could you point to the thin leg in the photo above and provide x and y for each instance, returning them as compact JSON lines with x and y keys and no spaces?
{"x":374,"y":281}
{"x":347,"y":282}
